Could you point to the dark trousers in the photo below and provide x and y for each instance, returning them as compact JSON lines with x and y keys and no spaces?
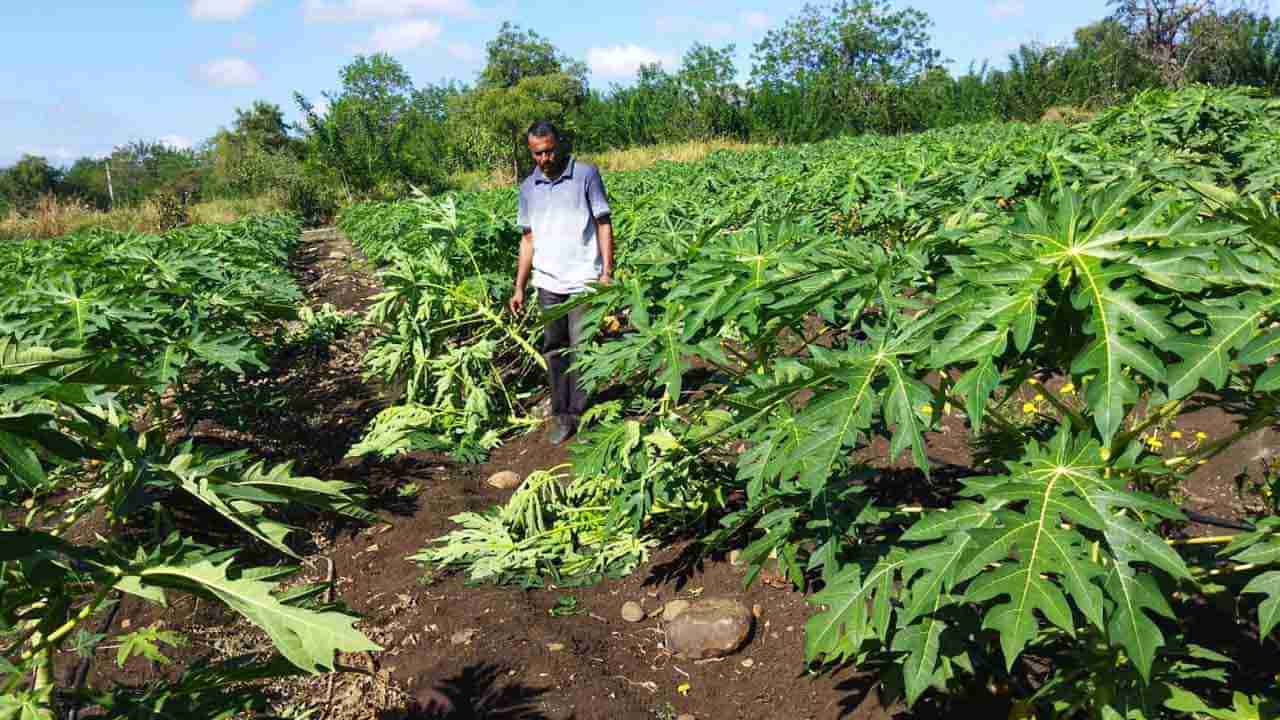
{"x":558,"y":341}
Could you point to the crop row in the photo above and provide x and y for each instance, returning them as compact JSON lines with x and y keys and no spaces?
{"x":1066,"y":293}
{"x":105,"y":341}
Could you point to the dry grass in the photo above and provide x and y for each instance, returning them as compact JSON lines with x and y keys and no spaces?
{"x":636,"y":158}
{"x":52,"y":216}
{"x":642,"y":157}
{"x":1068,"y":115}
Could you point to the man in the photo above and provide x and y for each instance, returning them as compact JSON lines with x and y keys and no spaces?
{"x":567,"y":244}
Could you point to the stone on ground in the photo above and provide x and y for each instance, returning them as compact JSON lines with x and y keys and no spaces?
{"x":709,"y":628}
{"x":632,"y":612}
{"x":464,"y":637}
{"x":672,"y":609}
{"x":505,"y":480}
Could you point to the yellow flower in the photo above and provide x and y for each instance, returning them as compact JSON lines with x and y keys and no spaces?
{"x":1039,"y":397}
{"x":1155,"y":443}
{"x":1029,"y":408}
{"x":1069,"y":389}
{"x":1032,"y":381}
{"x":927,"y":409}
{"x":683,"y":688}
{"x":1104,"y":453}
{"x":1201,"y":436}
{"x":1176,"y":434}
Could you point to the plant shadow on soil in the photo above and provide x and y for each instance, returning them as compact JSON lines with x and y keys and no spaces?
{"x":476,"y":693}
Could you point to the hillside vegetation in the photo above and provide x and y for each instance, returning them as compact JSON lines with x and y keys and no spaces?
{"x":844,"y":68}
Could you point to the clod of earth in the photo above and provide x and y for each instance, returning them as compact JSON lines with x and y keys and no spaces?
{"x":504,"y":480}
{"x":673,"y":609}
{"x":632,"y":612}
{"x":709,"y":628}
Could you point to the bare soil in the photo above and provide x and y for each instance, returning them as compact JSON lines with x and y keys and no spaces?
{"x":458,"y":651}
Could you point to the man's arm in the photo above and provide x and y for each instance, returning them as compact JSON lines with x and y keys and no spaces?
{"x":604,"y":237}
{"x":523,"y":267}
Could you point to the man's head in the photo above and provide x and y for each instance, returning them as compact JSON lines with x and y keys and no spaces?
{"x":544,"y":145}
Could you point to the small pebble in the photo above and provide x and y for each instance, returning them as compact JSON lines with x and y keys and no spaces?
{"x":748,"y":663}
{"x":632,"y":612}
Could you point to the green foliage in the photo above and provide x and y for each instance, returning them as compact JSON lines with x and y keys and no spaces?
{"x":460,"y":362}
{"x":26,"y":180}
{"x":103,"y":338}
{"x":377,"y":135}
{"x":865,"y":40}
{"x":812,"y":307}
{"x":525,"y":79}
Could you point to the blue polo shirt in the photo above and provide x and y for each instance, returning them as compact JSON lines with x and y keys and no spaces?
{"x":562,"y":214}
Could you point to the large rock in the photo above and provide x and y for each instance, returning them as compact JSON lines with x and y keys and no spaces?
{"x":672,"y":610}
{"x":505,"y":480}
{"x":709,"y":628}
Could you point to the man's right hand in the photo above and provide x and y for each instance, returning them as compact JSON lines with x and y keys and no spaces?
{"x":516,"y":303}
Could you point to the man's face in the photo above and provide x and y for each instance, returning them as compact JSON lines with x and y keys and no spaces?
{"x":546,"y":154}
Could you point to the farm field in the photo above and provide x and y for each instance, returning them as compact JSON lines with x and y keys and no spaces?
{"x":985,"y":416}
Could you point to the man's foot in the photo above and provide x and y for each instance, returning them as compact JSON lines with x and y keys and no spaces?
{"x":561,"y":429}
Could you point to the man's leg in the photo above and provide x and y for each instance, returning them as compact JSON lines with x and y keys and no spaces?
{"x":555,"y":344}
{"x":576,"y":395}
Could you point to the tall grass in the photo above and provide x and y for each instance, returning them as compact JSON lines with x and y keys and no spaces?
{"x":53,"y":216}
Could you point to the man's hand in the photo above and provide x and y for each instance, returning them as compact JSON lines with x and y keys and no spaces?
{"x":516,"y":304}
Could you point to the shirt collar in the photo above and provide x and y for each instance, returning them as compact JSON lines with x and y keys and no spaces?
{"x":540,"y":178}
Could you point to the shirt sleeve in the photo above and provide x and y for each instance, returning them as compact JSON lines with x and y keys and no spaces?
{"x":522,"y":212}
{"x":597,"y":199}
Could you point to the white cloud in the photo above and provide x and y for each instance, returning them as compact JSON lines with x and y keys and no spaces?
{"x":220,"y":9}
{"x":756,"y":20}
{"x":244,"y":42}
{"x":744,"y":23}
{"x":401,"y":37}
{"x":621,"y":61}
{"x":350,"y":10}
{"x":229,"y":72}
{"x":1003,"y":9}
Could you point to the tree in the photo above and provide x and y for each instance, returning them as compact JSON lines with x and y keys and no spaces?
{"x":379,"y":134}
{"x":1249,"y":54}
{"x":87,"y":180}
{"x":515,"y":54}
{"x":525,"y":79}
{"x":1173,"y":34}
{"x":28,"y":179}
{"x":706,"y":77}
{"x":262,"y":125}
{"x":867,"y":41}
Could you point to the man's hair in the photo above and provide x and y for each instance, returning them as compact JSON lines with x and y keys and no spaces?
{"x":542,"y":129}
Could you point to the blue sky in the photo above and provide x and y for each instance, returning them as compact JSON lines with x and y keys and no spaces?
{"x":77,"y":77}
